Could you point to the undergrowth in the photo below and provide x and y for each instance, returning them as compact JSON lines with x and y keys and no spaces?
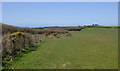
{"x":6,"y":64}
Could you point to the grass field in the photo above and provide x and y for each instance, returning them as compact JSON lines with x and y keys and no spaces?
{"x":92,"y":48}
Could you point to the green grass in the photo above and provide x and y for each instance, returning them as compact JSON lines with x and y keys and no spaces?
{"x":92,"y":48}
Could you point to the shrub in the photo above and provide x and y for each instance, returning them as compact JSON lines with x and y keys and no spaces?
{"x":17,"y":39}
{"x":55,"y":34}
{"x":46,"y":34}
{"x":68,"y":34}
{"x":8,"y":29}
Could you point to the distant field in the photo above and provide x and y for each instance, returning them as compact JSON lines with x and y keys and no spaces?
{"x":92,"y":48}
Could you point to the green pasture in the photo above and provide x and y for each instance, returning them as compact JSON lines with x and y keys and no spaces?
{"x":91,"y":48}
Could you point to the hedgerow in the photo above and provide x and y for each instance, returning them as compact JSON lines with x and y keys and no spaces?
{"x":16,"y":40}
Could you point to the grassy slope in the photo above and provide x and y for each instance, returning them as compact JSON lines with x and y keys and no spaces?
{"x":87,"y":49}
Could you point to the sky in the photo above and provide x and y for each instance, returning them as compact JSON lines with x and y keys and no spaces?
{"x":42,"y":14}
{"x":60,"y":0}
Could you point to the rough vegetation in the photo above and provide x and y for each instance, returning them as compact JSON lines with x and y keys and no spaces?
{"x":6,"y":29}
{"x":19,"y":39}
{"x":16,"y":40}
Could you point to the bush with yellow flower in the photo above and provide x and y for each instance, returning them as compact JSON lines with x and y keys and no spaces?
{"x":46,"y":34}
{"x":15,"y":34}
{"x":68,"y":34}
{"x":55,"y":34}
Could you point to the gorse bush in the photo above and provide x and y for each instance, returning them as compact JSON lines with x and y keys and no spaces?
{"x":46,"y":34}
{"x":15,"y":43}
{"x":19,"y":39}
{"x":15,"y":34}
{"x":68,"y":34}
{"x":55,"y":34}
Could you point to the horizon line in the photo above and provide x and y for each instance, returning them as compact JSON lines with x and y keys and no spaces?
{"x":57,"y":25}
